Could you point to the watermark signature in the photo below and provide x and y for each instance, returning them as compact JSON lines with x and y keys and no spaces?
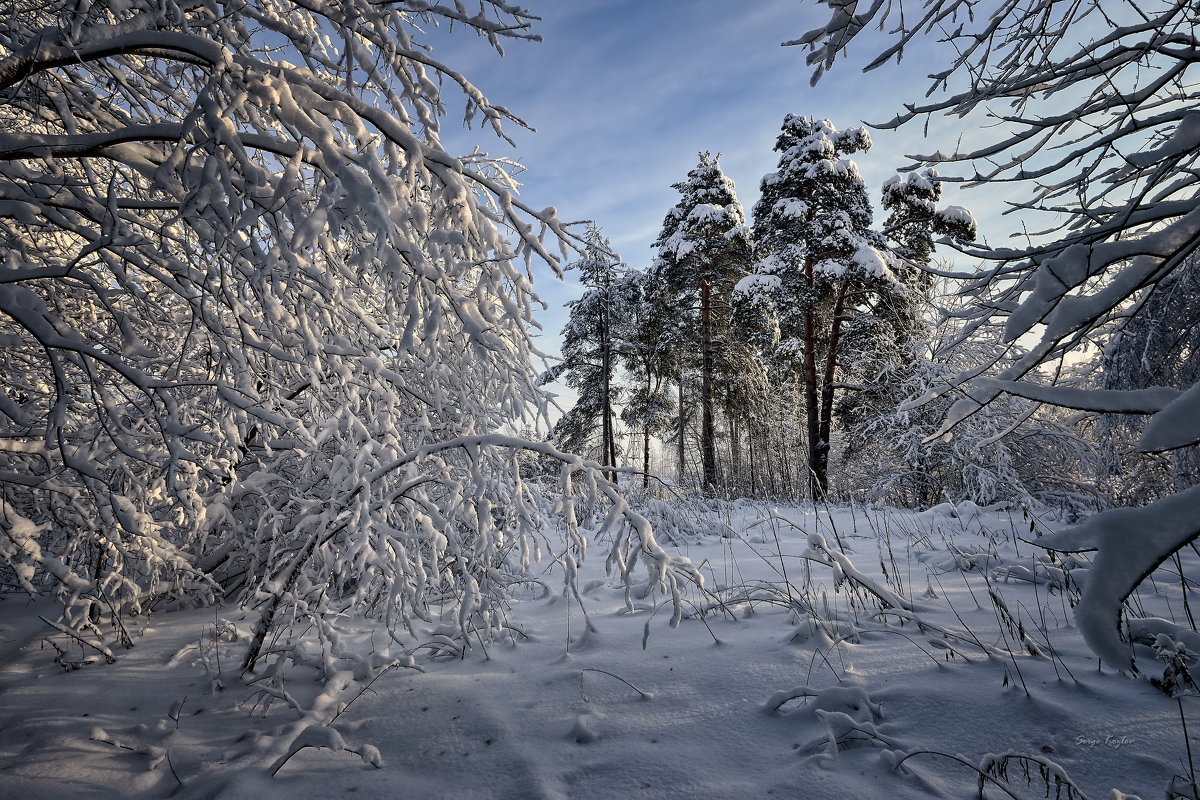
{"x":1113,"y":742}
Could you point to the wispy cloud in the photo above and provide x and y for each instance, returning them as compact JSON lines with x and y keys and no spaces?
{"x":624,"y":93}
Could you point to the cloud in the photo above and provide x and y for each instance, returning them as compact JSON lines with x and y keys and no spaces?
{"x":624,"y":93}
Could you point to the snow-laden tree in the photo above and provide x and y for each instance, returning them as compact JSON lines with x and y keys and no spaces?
{"x":915,"y":217}
{"x":889,"y":343}
{"x":817,"y":264}
{"x":261,"y":332}
{"x":593,"y":343}
{"x":648,"y":359}
{"x":1096,"y":110}
{"x":703,"y":250}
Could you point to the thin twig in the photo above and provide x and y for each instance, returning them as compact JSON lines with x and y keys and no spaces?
{"x":645,"y":695}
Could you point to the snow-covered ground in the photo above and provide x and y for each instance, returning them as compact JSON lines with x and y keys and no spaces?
{"x":777,"y":683}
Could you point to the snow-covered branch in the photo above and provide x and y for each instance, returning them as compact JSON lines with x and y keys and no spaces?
{"x":206,"y":206}
{"x":1094,"y":106}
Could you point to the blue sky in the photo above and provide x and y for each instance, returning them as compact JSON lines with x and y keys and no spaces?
{"x":624,"y":94}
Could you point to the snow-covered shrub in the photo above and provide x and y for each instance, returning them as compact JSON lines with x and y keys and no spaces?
{"x":894,"y":455}
{"x":260,"y":330}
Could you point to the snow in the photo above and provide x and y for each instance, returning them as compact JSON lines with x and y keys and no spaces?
{"x":870,"y":261}
{"x":757,"y":285}
{"x":1058,"y":275}
{"x":1117,"y":401}
{"x":959,"y":214}
{"x":745,"y":701}
{"x":791,"y":208}
{"x":1131,"y":543}
{"x":866,"y":262}
{"x":1176,"y":425}
{"x":1183,"y":140}
{"x":709,"y":214}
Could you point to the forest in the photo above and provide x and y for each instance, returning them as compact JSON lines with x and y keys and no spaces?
{"x":286,"y":506}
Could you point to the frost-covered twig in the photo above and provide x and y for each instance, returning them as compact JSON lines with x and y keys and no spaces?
{"x":633,"y":538}
{"x":994,"y":769}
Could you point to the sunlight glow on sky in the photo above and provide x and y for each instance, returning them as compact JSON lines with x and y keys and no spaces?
{"x":624,"y":94}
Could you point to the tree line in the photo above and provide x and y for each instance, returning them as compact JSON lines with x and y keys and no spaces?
{"x":740,"y":344}
{"x":808,"y":353}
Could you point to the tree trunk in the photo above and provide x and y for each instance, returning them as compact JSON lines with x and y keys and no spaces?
{"x":651,"y":390}
{"x":787,"y":484}
{"x":708,"y":451}
{"x":750,"y":446}
{"x":816,"y":487}
{"x":608,"y":443}
{"x":821,"y":468}
{"x":646,"y":457}
{"x":680,"y":432}
{"x":735,"y":450}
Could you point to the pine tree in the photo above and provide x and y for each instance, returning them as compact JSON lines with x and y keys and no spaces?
{"x":649,"y":359}
{"x":818,"y":265}
{"x":703,"y":250}
{"x":914,"y":219}
{"x":591,"y":345}
{"x":891,"y":341}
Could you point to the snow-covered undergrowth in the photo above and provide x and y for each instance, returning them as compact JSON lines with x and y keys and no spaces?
{"x":831,"y":653}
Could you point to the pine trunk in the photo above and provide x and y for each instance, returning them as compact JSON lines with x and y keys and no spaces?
{"x":787,"y":483}
{"x":735,"y":450}
{"x":821,"y":465}
{"x":680,"y":432}
{"x":651,"y":390}
{"x":646,"y":457}
{"x":750,"y":454}
{"x":608,"y":445}
{"x":816,"y":488}
{"x":708,"y":450}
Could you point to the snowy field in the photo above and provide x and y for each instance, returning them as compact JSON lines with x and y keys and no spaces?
{"x":777,"y":682}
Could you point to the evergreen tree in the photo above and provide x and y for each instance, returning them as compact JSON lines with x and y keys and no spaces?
{"x":703,"y":250}
{"x":650,"y":360}
{"x":591,"y":342}
{"x":914,"y":219}
{"x":891,"y":341}
{"x":837,"y":307}
{"x":818,"y":265}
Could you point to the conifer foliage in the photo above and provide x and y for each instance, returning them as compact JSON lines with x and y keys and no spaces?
{"x":703,"y":250}
{"x":817,"y":263}
{"x":891,"y":342}
{"x":594,"y":341}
